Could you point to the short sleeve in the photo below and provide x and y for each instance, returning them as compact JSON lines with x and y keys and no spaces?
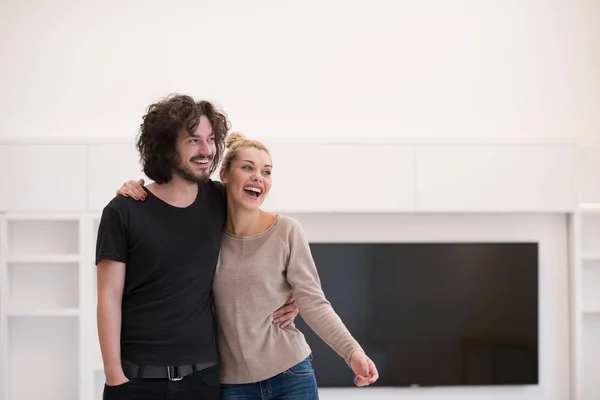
{"x":112,"y":238}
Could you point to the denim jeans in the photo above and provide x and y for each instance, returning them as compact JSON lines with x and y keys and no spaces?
{"x":297,"y":383}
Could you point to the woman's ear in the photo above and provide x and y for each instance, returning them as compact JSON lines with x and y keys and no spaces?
{"x":223,"y":175}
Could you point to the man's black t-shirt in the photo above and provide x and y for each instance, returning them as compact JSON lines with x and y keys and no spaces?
{"x":170,"y":255}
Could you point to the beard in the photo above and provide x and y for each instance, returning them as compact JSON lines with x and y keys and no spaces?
{"x":186,"y":172}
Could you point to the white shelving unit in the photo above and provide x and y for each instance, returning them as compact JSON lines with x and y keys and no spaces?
{"x":3,"y":301}
{"x":586,"y":275}
{"x":41,"y":306}
{"x":47,"y":287}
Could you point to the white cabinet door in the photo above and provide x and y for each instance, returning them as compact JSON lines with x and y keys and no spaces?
{"x":588,"y":174}
{"x":109,"y":166}
{"x":341,"y":178}
{"x":42,"y":177}
{"x":490,"y":178}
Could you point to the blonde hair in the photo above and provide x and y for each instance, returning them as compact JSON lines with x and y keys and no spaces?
{"x":236,"y":141}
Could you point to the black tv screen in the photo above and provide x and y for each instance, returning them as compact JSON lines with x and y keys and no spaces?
{"x":432,"y":314}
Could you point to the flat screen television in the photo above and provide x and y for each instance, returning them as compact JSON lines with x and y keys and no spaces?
{"x":432,"y":314}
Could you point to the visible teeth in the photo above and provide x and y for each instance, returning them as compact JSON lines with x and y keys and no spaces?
{"x":257,"y":190}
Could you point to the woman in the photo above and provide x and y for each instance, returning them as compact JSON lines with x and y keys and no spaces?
{"x":265,"y":259}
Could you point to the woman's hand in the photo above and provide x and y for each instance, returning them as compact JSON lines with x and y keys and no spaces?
{"x":364,"y":369}
{"x":285,"y":315}
{"x":133,"y":189}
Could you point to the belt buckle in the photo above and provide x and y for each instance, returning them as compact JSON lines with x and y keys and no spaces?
{"x":173,"y":378}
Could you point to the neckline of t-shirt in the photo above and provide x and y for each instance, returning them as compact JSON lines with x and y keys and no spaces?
{"x":150,"y":194}
{"x":258,"y":235}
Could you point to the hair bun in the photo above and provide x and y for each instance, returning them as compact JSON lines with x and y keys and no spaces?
{"x":234,"y":137}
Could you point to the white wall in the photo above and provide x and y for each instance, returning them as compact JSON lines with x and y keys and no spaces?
{"x":427,"y":70}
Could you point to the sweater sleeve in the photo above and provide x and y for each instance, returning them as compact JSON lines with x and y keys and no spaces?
{"x":314,"y":307}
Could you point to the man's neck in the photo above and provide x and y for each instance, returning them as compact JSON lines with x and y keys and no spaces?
{"x":178,"y":192}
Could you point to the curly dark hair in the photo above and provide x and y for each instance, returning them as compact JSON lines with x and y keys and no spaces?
{"x":160,"y":128}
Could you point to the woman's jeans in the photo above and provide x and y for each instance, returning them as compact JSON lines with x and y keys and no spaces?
{"x":297,"y":383}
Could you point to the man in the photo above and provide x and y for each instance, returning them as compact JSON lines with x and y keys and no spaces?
{"x":156,"y":261}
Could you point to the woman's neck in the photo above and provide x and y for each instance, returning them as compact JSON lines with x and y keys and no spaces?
{"x":244,"y":222}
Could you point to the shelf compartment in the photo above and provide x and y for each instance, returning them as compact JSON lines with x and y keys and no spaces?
{"x":50,"y":345}
{"x":591,"y":355}
{"x":43,"y":289}
{"x":590,"y":282}
{"x":590,"y":233}
{"x":50,"y":312}
{"x":44,"y":258}
{"x":39,"y":237}
{"x":95,"y":353}
{"x":99,"y":380}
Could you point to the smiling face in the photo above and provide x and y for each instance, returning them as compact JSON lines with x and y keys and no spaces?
{"x":196,"y":151}
{"x":248,"y":177}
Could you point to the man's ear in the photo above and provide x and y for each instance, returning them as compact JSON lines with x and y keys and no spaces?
{"x":222,"y":175}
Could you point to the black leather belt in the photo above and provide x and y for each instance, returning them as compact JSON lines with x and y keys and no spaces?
{"x":171,"y":372}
